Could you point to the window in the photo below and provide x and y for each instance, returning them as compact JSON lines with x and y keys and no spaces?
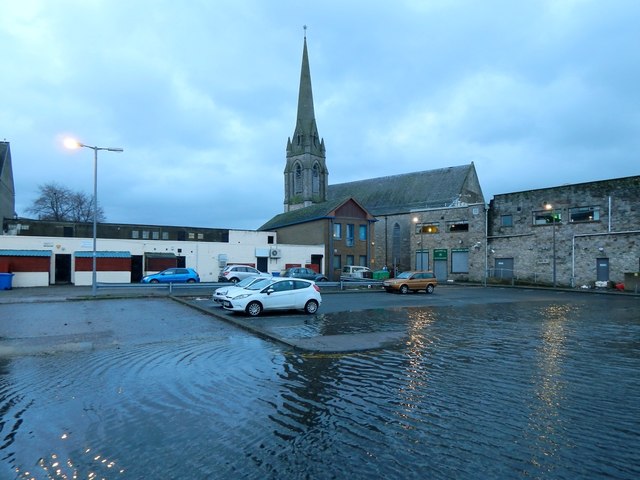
{"x":546,"y":217}
{"x":297,"y":181}
{"x":458,"y":226}
{"x":337,"y":262}
{"x":155,"y":235}
{"x":316,"y":179}
{"x":145,"y":235}
{"x":584,"y":214}
{"x":350,"y":234}
{"x":362,"y":233}
{"x":427,"y":228}
{"x":506,"y":220}
{"x":349,"y":260}
{"x":192,"y":236}
{"x":135,"y":234}
{"x":337,"y":230}
{"x":201,"y":236}
{"x":270,"y":239}
{"x":363,"y":261}
{"x":165,"y":235}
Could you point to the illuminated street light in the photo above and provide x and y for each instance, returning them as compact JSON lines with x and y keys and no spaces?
{"x":415,"y":220}
{"x":548,"y":206}
{"x":73,"y":144}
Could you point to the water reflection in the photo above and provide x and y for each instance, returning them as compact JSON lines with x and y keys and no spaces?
{"x":486,"y":391}
{"x":546,"y":423}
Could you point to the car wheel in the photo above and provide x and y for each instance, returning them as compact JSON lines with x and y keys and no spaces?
{"x":191,"y":280}
{"x":154,"y":281}
{"x":323,"y":279}
{"x":234,"y":280}
{"x":311,"y":307}
{"x":254,"y":309}
{"x":404,"y":289}
{"x":430,"y":288}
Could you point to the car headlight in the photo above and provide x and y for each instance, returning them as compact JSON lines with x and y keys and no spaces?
{"x":240,"y":297}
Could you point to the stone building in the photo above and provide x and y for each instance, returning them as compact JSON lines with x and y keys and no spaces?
{"x":572,"y":235}
{"x":376,"y":222}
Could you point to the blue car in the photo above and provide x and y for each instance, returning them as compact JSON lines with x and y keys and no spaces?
{"x":173,"y":275}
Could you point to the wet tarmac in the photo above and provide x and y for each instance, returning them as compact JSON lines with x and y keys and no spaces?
{"x":509,"y":384}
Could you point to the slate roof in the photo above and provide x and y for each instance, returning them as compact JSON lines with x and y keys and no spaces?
{"x":389,"y":195}
{"x":302,"y":215}
{"x":402,"y":193}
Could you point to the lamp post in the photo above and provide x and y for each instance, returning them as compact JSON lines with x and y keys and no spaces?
{"x":548,"y":206}
{"x":71,"y":143}
{"x":415,"y":220}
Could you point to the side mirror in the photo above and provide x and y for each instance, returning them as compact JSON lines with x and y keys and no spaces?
{"x":270,"y":291}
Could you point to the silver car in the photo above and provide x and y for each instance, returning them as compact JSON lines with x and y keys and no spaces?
{"x":235,"y":273}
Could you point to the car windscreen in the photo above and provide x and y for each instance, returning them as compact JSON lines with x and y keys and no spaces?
{"x":247,"y":281}
{"x":404,"y":275}
{"x":260,"y":284}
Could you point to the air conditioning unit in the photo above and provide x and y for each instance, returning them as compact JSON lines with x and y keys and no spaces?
{"x":275,"y":253}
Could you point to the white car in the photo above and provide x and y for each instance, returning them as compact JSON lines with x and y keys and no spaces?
{"x":275,"y":294}
{"x":222,"y":292}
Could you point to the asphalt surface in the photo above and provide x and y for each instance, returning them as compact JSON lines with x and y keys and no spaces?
{"x":67,"y":318}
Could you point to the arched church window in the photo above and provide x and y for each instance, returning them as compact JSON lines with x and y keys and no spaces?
{"x":316,"y":179}
{"x":297,"y":181}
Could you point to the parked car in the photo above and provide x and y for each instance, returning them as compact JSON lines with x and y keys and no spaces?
{"x":302,"y":272}
{"x":411,"y":281}
{"x":173,"y":275}
{"x":235,"y":273}
{"x":275,"y":294}
{"x":222,"y":292}
{"x":355,"y":272}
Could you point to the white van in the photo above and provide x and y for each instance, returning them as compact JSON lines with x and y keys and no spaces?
{"x":355,"y":272}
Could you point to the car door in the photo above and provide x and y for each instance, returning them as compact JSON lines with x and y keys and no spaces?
{"x":281,"y":296}
{"x":167,"y":276}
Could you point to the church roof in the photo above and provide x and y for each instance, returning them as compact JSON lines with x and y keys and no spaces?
{"x":410,"y":191}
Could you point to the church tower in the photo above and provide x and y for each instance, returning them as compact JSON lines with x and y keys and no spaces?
{"x":305,"y":176}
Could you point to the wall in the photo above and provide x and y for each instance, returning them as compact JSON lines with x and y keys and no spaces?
{"x":614,"y":233}
{"x":204,"y":257}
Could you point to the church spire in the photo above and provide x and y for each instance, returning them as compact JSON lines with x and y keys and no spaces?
{"x":306,"y":174}
{"x":305,"y":135}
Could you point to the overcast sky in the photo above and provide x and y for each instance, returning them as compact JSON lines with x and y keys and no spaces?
{"x":202,"y":96}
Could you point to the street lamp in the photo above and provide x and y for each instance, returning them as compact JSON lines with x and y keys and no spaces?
{"x":73,"y":144}
{"x":415,"y":220}
{"x":548,"y":206}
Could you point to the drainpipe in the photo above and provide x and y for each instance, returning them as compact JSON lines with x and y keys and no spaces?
{"x":486,"y":244}
{"x":330,"y":259}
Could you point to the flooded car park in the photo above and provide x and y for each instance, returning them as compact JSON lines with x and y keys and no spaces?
{"x":479,"y":383}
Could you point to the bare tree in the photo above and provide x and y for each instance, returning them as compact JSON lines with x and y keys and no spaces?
{"x":59,"y":203}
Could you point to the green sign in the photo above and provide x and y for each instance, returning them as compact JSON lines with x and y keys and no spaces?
{"x":440,"y":254}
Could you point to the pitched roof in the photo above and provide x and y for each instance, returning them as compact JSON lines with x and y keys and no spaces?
{"x":313,"y":212}
{"x":317,"y":211}
{"x":402,"y":193}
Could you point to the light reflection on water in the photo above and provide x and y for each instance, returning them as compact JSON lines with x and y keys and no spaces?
{"x":488,"y":391}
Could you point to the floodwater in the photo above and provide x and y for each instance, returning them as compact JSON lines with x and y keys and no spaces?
{"x":514,"y":390}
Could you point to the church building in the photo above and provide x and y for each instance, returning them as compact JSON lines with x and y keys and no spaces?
{"x":375,"y":222}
